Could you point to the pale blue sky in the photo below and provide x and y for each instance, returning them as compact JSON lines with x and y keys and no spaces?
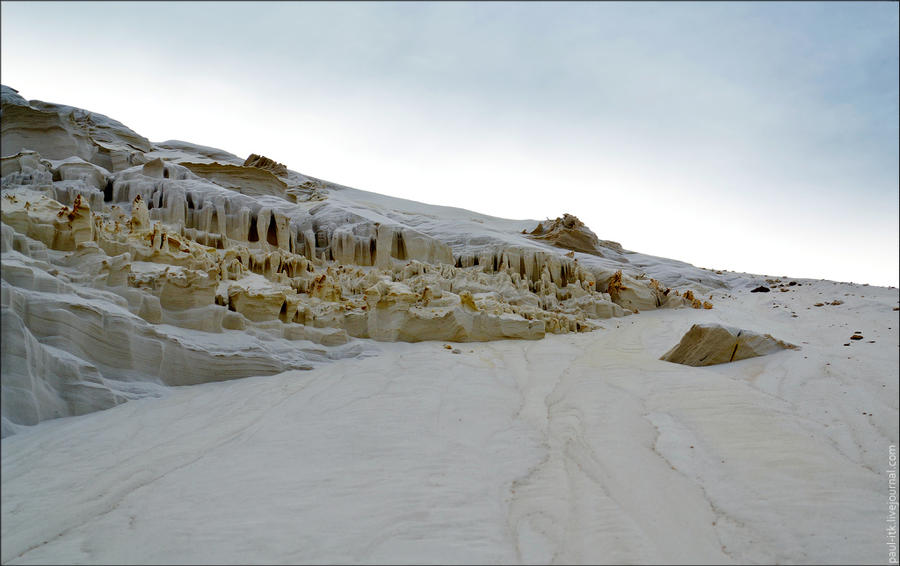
{"x":759,"y":137}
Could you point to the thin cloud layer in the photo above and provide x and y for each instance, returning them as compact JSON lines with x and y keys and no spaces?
{"x":758,"y":137}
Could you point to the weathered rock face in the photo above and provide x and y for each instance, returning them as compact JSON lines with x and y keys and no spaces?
{"x":711,"y":344}
{"x":59,"y":132}
{"x":263,"y":162}
{"x":436,"y":301}
{"x":128,"y":264}
{"x":570,"y":233}
{"x":252,"y":181}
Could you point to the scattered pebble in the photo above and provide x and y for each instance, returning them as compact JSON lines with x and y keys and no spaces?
{"x":856,"y":337}
{"x":760,"y":289}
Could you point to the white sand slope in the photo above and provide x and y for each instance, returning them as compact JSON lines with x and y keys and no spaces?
{"x":578,"y":448}
{"x":182,"y":289}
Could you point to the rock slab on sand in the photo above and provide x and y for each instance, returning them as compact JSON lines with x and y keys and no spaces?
{"x":711,"y":344}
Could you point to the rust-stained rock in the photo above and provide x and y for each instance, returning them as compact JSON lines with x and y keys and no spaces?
{"x":263,"y":162}
{"x":570,"y":233}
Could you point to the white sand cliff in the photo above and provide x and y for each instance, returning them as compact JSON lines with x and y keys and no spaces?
{"x":215,"y":359}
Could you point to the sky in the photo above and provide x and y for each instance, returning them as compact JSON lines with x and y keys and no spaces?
{"x":756,"y":137}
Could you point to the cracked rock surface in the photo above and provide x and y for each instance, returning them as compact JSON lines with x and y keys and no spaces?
{"x":710,"y":344}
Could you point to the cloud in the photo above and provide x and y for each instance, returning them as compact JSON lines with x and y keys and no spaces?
{"x":661,"y":125}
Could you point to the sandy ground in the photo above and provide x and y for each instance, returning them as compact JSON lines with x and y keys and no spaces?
{"x":573,"y":449}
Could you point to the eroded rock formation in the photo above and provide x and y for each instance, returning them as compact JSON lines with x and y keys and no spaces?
{"x":263,"y":162}
{"x":570,"y":233}
{"x":128,"y":264}
{"x":711,"y":344}
{"x":57,"y":131}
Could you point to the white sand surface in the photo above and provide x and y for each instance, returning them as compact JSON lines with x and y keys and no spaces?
{"x":177,"y":266}
{"x":573,"y":449}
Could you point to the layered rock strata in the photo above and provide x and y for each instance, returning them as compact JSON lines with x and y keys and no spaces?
{"x":570,"y":233}
{"x":130,"y":262}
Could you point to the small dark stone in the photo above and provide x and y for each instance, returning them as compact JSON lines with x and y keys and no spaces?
{"x":792,"y":283}
{"x":856,"y":337}
{"x":760,"y":289}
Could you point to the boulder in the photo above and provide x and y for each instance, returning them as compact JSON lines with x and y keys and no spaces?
{"x":570,"y":233}
{"x":710,"y":344}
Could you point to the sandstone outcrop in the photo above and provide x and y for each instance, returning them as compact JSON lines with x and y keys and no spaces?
{"x":57,"y":131}
{"x":263,"y":162}
{"x":117,"y":252}
{"x":711,"y":344}
{"x":570,"y":233}
{"x":252,"y":181}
